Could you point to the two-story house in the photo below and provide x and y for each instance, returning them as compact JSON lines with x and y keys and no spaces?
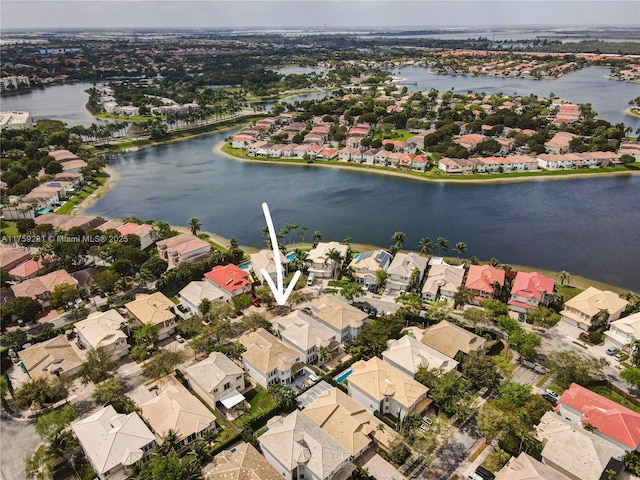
{"x":217,"y":379}
{"x":265,"y":260}
{"x":624,"y":332}
{"x":592,"y":306}
{"x":404,"y":269}
{"x":40,"y":288}
{"x":269,"y":361}
{"x":341,"y":317}
{"x":305,"y":335}
{"x":365,"y":266}
{"x":318,"y":260}
{"x":102,"y":330}
{"x":154,"y":309}
{"x":231,"y":279}
{"x":484,"y":281}
{"x":185,"y":247}
{"x":443,"y":280}
{"x":529,"y":290}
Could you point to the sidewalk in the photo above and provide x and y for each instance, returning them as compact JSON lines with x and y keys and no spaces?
{"x":467,"y":468}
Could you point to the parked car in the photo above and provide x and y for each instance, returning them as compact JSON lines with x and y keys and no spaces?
{"x":179,"y":339}
{"x":548,"y":391}
{"x":387,"y":291}
{"x":612,"y":351}
{"x":20,"y":322}
{"x":550,"y":398}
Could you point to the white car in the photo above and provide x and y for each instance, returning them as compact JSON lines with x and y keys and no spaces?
{"x":179,"y":339}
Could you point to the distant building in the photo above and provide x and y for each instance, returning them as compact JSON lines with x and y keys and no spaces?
{"x":185,"y":247}
{"x":14,"y":119}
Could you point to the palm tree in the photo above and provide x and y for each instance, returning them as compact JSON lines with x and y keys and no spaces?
{"x":317,"y":236}
{"x":302,"y":232}
{"x":170,"y":442}
{"x":564,"y":276}
{"x":461,"y":247}
{"x":194,"y":225}
{"x":425,"y":246}
{"x":442,"y":244}
{"x":335,"y":257}
{"x":399,"y":238}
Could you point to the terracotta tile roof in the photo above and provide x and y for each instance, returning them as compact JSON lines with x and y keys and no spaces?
{"x":481,"y":277}
{"x":608,"y":417}
{"x":37,"y":286}
{"x":228,"y":277}
{"x":532,"y":284}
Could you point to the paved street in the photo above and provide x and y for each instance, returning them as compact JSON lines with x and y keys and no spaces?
{"x":18,"y":440}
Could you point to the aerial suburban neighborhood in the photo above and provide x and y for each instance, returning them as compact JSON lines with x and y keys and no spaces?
{"x":138,"y":346}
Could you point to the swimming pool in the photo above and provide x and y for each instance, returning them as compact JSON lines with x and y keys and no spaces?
{"x":291,"y":256}
{"x":356,"y":256}
{"x":343,"y":376}
{"x":245,"y":265}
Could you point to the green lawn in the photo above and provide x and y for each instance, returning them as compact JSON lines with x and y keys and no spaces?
{"x":9,"y":229}
{"x":260,"y":401}
{"x":568,"y":291}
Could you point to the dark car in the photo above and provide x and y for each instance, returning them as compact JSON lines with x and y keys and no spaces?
{"x":550,"y":398}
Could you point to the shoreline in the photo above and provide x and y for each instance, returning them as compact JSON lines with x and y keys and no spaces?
{"x":217,"y":148}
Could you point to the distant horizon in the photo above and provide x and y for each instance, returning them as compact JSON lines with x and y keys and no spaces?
{"x":54,"y":15}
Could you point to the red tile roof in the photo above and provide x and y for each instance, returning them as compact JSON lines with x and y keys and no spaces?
{"x":532,"y":285}
{"x":481,"y":277}
{"x":608,"y":417}
{"x":228,"y":277}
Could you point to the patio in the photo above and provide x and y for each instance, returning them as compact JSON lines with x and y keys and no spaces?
{"x":303,"y":380}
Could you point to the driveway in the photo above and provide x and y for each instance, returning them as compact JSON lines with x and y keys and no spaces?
{"x":377,"y":466}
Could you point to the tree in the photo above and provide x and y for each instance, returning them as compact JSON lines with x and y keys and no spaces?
{"x":572,"y":367}
{"x":462,"y":297}
{"x":564,"y":276}
{"x":543,"y":317}
{"x":194,"y":225}
{"x":16,"y":338}
{"x":351,"y":290}
{"x":163,"y":363}
{"x":425,"y":246}
{"x":283,"y":395}
{"x":26,"y":308}
{"x":492,"y":421}
{"x":461,"y":247}
{"x":317,"y":237}
{"x":516,"y":393}
{"x":475,"y":316}
{"x":40,"y":465}
{"x":170,"y":442}
{"x":64,"y":294}
{"x":335,"y":257}
{"x":481,"y":371}
{"x":106,"y":280}
{"x":108,"y":390}
{"x":254,"y":321}
{"x":631,"y":375}
{"x":381,"y":277}
{"x":399,"y":239}
{"x":50,"y":424}
{"x":147,"y":334}
{"x":155,"y":266}
{"x":98,"y":366}
{"x":442,"y":244}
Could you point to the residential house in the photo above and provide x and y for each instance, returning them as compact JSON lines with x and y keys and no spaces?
{"x":241,"y":140}
{"x":381,"y":387}
{"x":327,"y":154}
{"x":50,"y":359}
{"x":404,"y":269}
{"x":299,"y":449}
{"x":349,"y":154}
{"x":195,"y":292}
{"x":155,"y":309}
{"x":559,"y":143}
{"x":451,"y":339}
{"x":230,"y":278}
{"x":367,"y":264}
{"x":40,"y":288}
{"x":269,"y":361}
{"x":484,"y":281}
{"x":529,"y":290}
{"x":242,"y":462}
{"x":623,"y":332}
{"x":599,"y":159}
{"x":618,"y":425}
{"x":525,"y":467}
{"x":175,"y":408}
{"x":217,"y":379}
{"x":593,"y":306}
{"x":572,"y":451}
{"x":112,"y":441}
{"x":559,"y":161}
{"x":27,"y":269}
{"x":65,"y":222}
{"x":318,"y":262}
{"x":265,"y":259}
{"x":144,"y":232}
{"x":409,"y":354}
{"x":470,"y":140}
{"x":11,"y":257}
{"x":349,"y":423}
{"x":340,"y":316}
{"x":442,"y":280}
{"x":305,"y":335}
{"x":185,"y":247}
{"x":368,"y":156}
{"x":353,"y":141}
{"x":102,"y":330}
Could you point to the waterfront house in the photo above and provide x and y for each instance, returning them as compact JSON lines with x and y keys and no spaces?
{"x":341,"y":317}
{"x":40,"y":288}
{"x":368,"y":156}
{"x":154,"y":309}
{"x":241,"y":140}
{"x":349,"y":423}
{"x":409,"y":354}
{"x":559,"y":143}
{"x":348,"y":154}
{"x":230,"y":278}
{"x":559,"y":161}
{"x":264,"y":259}
{"x":484,"y":281}
{"x":50,"y":359}
{"x":529,"y":290}
{"x":103,"y":330}
{"x":318,"y":262}
{"x":112,"y":441}
{"x":305,"y":335}
{"x":217,"y":379}
{"x":299,"y":449}
{"x":404,"y":269}
{"x":327,"y":154}
{"x":623,"y":333}
{"x":618,"y":425}
{"x":572,"y":451}
{"x":185,"y":247}
{"x":269,"y":361}
{"x":367,"y":264}
{"x":242,"y":462}
{"x":592,"y":306}
{"x":195,"y":292}
{"x":442,"y":280}
{"x":381,"y":387}
{"x":452,"y":340}
{"x":175,"y":409}
{"x":143,"y":232}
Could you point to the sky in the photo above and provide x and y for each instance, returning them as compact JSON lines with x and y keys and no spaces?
{"x":150,"y":14}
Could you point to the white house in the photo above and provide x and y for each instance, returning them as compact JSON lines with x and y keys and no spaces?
{"x":102,"y":329}
{"x":192,"y":295}
{"x":305,"y":335}
{"x":341,"y":317}
{"x":318,"y":262}
{"x":442,"y":280}
{"x":217,"y":378}
{"x":404,"y":269}
{"x":365,"y":266}
{"x":409,"y":354}
{"x":623,"y":332}
{"x":264,"y":259}
{"x":583,"y":309}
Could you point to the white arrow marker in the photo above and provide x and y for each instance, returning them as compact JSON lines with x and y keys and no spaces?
{"x":278,"y":291}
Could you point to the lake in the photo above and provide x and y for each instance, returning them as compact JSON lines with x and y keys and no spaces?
{"x":586,"y":226}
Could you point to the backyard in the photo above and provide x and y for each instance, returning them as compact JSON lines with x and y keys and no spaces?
{"x":260,"y":401}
